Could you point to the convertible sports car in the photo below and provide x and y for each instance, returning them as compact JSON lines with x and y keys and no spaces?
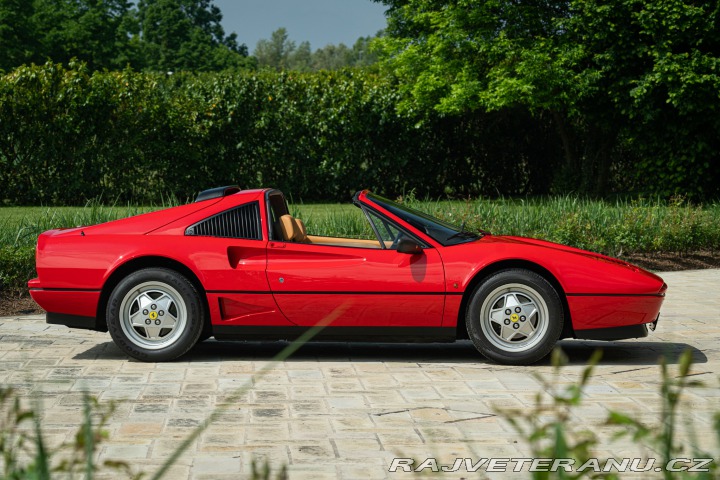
{"x":236,"y":265}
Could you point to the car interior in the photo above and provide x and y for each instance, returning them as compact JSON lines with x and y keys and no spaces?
{"x":293,"y":230}
{"x":287,"y":228}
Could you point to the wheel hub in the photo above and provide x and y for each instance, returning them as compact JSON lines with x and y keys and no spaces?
{"x":514,"y":317}
{"x":153,"y":315}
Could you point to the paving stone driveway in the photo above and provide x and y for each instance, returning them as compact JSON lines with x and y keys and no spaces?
{"x":345,"y":410}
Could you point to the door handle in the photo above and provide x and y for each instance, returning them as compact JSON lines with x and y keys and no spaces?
{"x":276,"y":245}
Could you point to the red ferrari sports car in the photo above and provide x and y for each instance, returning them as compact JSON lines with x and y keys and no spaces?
{"x":236,"y":265}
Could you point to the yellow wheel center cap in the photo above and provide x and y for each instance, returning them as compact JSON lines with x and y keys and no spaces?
{"x":514,"y":317}
{"x":153,"y":316}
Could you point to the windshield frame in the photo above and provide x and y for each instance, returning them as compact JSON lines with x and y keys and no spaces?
{"x":444,"y":233}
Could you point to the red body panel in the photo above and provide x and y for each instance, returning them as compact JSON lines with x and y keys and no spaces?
{"x":69,"y":302}
{"x":579,"y":273}
{"x":235,"y":309}
{"x":376,"y":288}
{"x":591,"y":312}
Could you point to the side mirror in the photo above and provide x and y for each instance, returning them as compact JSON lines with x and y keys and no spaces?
{"x":409,"y":246}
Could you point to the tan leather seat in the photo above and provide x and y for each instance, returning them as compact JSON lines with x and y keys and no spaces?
{"x":301,"y":227}
{"x":293,"y":230}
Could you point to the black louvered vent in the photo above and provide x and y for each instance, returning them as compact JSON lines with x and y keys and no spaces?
{"x":240,"y":222}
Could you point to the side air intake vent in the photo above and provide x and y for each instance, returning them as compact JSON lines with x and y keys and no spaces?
{"x":239,"y":222}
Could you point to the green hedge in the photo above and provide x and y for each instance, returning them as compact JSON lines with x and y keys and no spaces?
{"x":17,"y":266}
{"x":68,"y":135}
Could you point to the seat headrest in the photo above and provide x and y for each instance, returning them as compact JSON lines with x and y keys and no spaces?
{"x":299,"y":225}
{"x":287,"y":227}
{"x":293,"y":229}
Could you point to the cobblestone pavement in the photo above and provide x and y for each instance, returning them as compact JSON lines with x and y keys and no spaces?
{"x":345,"y":410}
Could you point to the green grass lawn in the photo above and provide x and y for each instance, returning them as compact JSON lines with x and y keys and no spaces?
{"x":614,"y":228}
{"x":608,"y":227}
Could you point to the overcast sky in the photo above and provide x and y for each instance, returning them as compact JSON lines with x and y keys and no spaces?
{"x":319,"y":21}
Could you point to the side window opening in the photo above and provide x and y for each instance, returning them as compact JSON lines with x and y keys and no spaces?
{"x":388,"y":232}
{"x":238,"y":222}
{"x":277,"y":208}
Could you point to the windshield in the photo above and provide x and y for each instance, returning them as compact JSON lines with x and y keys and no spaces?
{"x":442,"y":232}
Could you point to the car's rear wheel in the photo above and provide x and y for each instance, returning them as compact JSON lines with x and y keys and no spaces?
{"x":155,"y":314}
{"x":514,"y":317}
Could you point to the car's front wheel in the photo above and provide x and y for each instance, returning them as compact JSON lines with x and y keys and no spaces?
{"x":514,"y":317}
{"x":155,"y":314}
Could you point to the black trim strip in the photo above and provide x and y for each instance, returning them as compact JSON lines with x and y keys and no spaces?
{"x":244,"y":292}
{"x":73,"y":321}
{"x":613,"y":333}
{"x":66,"y":289}
{"x":328,"y":293}
{"x":357,"y":293}
{"x":615,"y":294}
{"x":370,"y":334}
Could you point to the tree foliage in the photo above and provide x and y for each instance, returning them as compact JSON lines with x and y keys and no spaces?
{"x":186,"y":35}
{"x":18,"y":45}
{"x":280,"y":53}
{"x":153,"y":35}
{"x":633,"y":81}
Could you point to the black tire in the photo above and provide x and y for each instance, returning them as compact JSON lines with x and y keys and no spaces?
{"x":138,"y":322}
{"x":518,"y":337}
{"x":204,"y":336}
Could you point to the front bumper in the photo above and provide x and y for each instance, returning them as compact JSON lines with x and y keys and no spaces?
{"x":621,"y":313}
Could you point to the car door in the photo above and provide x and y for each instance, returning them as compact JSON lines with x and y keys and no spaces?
{"x":372,"y":287}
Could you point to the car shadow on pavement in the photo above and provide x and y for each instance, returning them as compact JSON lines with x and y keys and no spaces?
{"x":630,"y":353}
{"x":578,"y":352}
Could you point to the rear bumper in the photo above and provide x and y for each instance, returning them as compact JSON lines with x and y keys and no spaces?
{"x":71,"y":307}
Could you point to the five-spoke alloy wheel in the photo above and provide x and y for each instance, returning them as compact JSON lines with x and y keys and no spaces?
{"x":155,"y":314}
{"x":514,"y":317}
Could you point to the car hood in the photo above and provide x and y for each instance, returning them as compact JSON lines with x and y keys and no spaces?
{"x":578,"y":271}
{"x":565,"y":248}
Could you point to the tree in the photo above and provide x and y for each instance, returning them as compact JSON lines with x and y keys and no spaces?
{"x":332,"y":57}
{"x":276,"y":52}
{"x":601,"y":71}
{"x":163,"y":35}
{"x":656,"y":73}
{"x":94,"y":31}
{"x":187,"y":35}
{"x":455,"y":57}
{"x":281,"y":53}
{"x":301,"y":59}
{"x":17,"y":33}
{"x":363,"y":54}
